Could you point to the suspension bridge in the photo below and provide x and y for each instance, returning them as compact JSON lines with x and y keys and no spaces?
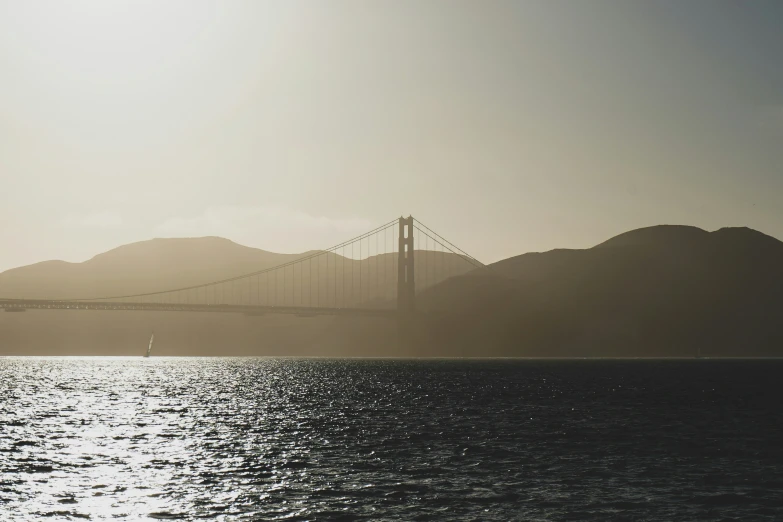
{"x":379,"y":273}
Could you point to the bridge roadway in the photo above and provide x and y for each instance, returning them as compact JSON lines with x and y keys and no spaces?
{"x":303,"y":311}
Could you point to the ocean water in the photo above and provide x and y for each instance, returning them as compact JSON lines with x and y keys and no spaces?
{"x":314,"y":439}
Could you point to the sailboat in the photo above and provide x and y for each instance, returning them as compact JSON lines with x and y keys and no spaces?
{"x":149,"y":348}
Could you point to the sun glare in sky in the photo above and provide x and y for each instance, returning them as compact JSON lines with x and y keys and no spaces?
{"x":510,"y":126}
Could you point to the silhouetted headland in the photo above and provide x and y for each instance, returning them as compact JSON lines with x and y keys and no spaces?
{"x":657,"y":291}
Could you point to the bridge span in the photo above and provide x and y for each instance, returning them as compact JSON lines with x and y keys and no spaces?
{"x":13,"y":305}
{"x":364,"y":276}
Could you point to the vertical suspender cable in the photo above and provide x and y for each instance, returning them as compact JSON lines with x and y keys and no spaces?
{"x":318,"y":284}
{"x":385,"y":268}
{"x":377,"y":272}
{"x":327,"y":279}
{"x":352,"y":295}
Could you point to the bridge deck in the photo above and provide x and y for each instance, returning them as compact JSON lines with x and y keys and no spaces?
{"x":41,"y":304}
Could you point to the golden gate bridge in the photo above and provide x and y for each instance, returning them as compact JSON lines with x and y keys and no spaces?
{"x":378,"y":273}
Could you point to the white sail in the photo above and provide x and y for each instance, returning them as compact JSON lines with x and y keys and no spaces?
{"x":149,"y":348}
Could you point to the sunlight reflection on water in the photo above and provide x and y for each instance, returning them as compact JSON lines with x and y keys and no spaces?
{"x":186,"y":438}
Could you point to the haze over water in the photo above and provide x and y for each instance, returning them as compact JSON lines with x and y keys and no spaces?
{"x":318,"y":439}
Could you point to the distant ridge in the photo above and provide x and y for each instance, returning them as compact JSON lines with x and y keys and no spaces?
{"x":658,"y":235}
{"x":688,"y":236}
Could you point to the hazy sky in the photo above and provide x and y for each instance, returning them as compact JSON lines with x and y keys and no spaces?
{"x":506,"y":126}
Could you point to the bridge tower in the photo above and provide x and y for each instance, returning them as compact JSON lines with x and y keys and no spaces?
{"x":406,"y":286}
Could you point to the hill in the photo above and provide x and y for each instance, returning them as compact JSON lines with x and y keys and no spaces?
{"x":145,"y":266}
{"x":163,"y":264}
{"x":657,"y":291}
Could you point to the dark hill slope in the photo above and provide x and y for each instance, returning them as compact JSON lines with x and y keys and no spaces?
{"x":664,"y":290}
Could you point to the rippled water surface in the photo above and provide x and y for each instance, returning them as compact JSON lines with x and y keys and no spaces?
{"x":263,"y":439}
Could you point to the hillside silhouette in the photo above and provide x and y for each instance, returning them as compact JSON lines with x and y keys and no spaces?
{"x":164,"y":264}
{"x":657,"y":291}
